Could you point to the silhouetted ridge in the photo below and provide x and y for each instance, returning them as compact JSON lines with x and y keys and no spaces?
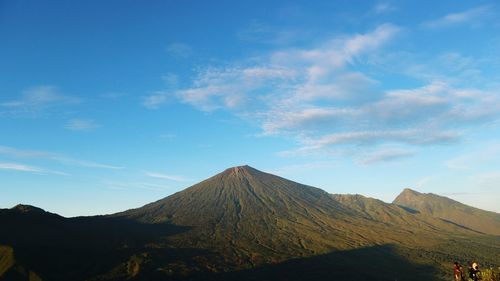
{"x":27,"y":209}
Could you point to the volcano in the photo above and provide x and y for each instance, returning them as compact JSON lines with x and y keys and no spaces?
{"x":242,"y":224}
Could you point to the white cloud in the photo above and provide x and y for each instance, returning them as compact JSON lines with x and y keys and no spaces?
{"x":336,"y":53}
{"x":304,"y":151}
{"x":451,"y":67}
{"x":362,"y":43}
{"x":165,"y":176}
{"x":233,"y":87}
{"x":385,"y":155}
{"x":280,"y":73}
{"x":83,"y":163}
{"x":260,"y":32}
{"x":324,"y":97}
{"x":36,"y":100}
{"x":19,"y":167}
{"x":370,"y":137}
{"x":156,"y":100}
{"x":26,"y":168}
{"x":170,"y":79}
{"x":298,"y":71}
{"x":81,"y":125}
{"x":179,"y":50}
{"x":278,"y":121}
{"x":34,"y":154}
{"x":137,"y":185}
{"x":432,"y":107}
{"x":384,"y":8}
{"x":459,"y":18}
{"x":5,"y":150}
{"x":168,"y":136}
{"x":346,"y":87}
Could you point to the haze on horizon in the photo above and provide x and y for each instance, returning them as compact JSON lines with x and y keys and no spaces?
{"x":106,"y":106}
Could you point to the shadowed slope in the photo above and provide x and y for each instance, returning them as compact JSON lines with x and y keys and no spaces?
{"x":6,"y":259}
{"x":450,"y":210}
{"x":11,"y":270}
{"x":377,"y":263}
{"x":58,"y":248}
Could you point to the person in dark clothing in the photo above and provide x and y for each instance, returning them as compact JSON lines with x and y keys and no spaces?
{"x":463,"y":276}
{"x":474,"y":271}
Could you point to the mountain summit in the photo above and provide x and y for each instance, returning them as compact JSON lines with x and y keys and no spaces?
{"x":236,"y":192}
{"x":241,"y":224}
{"x":450,"y":210}
{"x":23,"y":209}
{"x":244,"y":210}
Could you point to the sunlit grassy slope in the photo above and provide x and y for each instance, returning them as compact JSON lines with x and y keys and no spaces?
{"x":450,"y":210}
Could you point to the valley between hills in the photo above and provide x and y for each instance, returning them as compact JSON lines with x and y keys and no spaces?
{"x":244,"y":224}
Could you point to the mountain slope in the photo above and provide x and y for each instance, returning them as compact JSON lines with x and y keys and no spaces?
{"x":241,"y":224}
{"x":7,"y":260}
{"x":247,"y":211}
{"x":10,"y":269}
{"x":253,"y":217}
{"x":382,"y":212}
{"x":450,"y":210}
{"x":58,"y":248}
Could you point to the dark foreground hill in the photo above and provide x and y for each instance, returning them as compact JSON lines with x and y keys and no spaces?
{"x":241,"y":224}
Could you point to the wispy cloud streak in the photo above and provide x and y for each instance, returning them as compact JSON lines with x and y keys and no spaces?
{"x":34,"y":154}
{"x":27,"y":168}
{"x":36,"y":100}
{"x":81,"y":125}
{"x":166,"y":177}
{"x":385,"y":155}
{"x":459,"y":18}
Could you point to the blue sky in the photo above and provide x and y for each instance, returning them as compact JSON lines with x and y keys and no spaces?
{"x":109,"y":105}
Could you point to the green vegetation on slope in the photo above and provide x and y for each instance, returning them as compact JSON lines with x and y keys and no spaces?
{"x":248,"y":225}
{"x":10,"y":270}
{"x":450,"y":210}
{"x":6,"y":259}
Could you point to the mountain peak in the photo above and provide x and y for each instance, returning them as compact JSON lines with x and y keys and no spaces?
{"x":243,"y":173}
{"x":238,"y":169}
{"x":407,"y":194}
{"x":450,"y":210}
{"x":410,"y":191}
{"x":237,"y":191}
{"x":24,"y":209}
